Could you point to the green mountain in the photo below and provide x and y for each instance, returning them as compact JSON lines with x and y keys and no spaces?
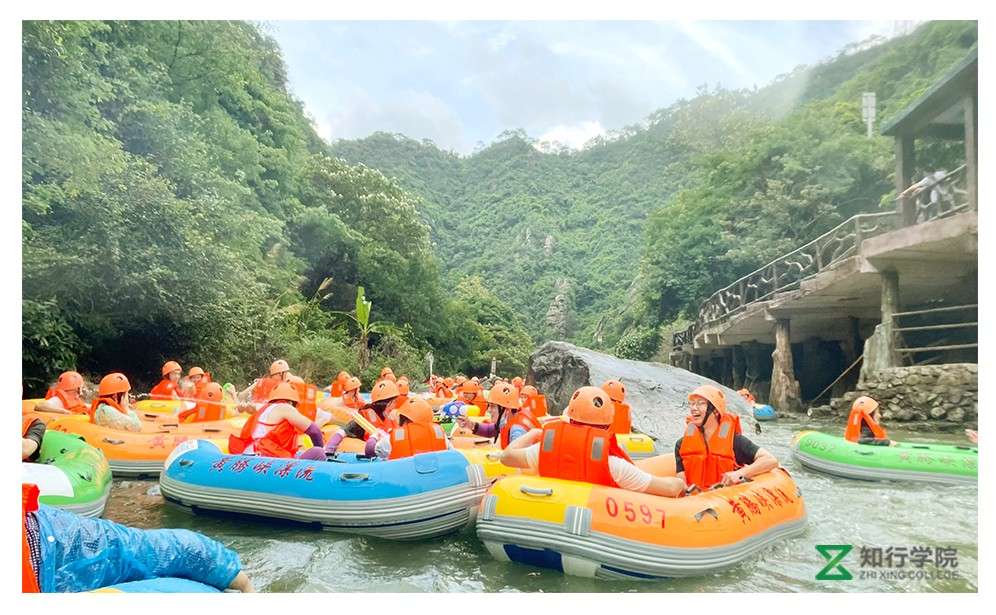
{"x":637,"y":228}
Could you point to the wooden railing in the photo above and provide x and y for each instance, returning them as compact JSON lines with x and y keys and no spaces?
{"x":787,"y":272}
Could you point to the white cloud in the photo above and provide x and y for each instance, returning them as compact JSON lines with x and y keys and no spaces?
{"x":573,"y":135}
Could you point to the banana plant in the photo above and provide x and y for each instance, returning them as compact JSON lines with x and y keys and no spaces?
{"x":361,"y":318}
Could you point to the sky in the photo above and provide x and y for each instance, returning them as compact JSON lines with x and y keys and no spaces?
{"x":461,"y":84}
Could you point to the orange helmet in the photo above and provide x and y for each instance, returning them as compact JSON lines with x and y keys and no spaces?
{"x":195,"y":371}
{"x":295,"y":379}
{"x":592,"y":406}
{"x":115,"y":382}
{"x":469,"y":386}
{"x":865,"y":404}
{"x":615,"y":390}
{"x":68,"y":381}
{"x":712,"y":395}
{"x":284,"y":391}
{"x":342,"y":376}
{"x":212,"y":392}
{"x":388,"y":373}
{"x":746,"y":395}
{"x":504,"y":394}
{"x":529,"y":391}
{"x":278,"y":367}
{"x":517,"y":382}
{"x":352,"y":385}
{"x":403,"y":386}
{"x":171,"y":366}
{"x":417,"y":410}
{"x":384,"y":389}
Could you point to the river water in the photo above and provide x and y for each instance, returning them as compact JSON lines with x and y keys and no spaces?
{"x":281,"y":557}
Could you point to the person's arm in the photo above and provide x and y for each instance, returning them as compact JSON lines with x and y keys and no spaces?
{"x":300,"y":422}
{"x":972,"y":435}
{"x":28,"y":448}
{"x":632,"y":478}
{"x":762,"y":461}
{"x":514,"y":455}
{"x":48,"y":406}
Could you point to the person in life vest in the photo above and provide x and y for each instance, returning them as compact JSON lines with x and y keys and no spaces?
{"x":64,"y":552}
{"x":110,"y":408}
{"x":511,"y":420}
{"x":169,"y":386}
{"x":582,"y":448}
{"x":713,"y":450}
{"x":440,"y":389}
{"x":32,"y":434}
{"x":261,"y":388}
{"x":65,"y":396}
{"x":470,"y":393}
{"x":199,"y":379}
{"x":533,"y":401}
{"x":209,"y":406}
{"x":337,"y":387}
{"x":518,"y":383}
{"x":863,"y":426}
{"x":274,"y":429}
{"x":383,"y":399}
{"x":747,"y":395}
{"x":415,"y":433}
{"x":403,"y":391}
{"x":622,"y":421}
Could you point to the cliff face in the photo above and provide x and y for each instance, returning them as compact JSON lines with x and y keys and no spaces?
{"x":657,"y":393}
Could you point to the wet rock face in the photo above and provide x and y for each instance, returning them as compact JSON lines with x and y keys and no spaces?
{"x":657,"y":393}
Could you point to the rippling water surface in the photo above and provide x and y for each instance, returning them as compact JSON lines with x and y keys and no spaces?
{"x":280,"y":557}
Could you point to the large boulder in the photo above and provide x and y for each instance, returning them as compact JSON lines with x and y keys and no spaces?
{"x":657,"y":393}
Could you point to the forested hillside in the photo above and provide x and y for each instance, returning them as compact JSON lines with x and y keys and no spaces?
{"x":609,"y":245}
{"x":177,"y":203}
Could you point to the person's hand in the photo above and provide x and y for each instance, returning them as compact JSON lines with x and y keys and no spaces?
{"x":972,"y":435}
{"x":893,"y":443}
{"x":464,"y":422}
{"x":242,"y":583}
{"x":732,"y":478}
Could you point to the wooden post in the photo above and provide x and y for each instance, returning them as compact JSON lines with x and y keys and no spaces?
{"x":785,"y":395}
{"x":972,"y":150}
{"x":739,"y":367}
{"x":890,"y":305}
{"x":905,"y":158}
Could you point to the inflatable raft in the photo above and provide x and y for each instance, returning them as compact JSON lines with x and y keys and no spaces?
{"x":906,"y":461}
{"x":164,"y":585}
{"x":593,"y":531}
{"x":764,"y":412}
{"x":404,"y":499}
{"x":70,"y":474}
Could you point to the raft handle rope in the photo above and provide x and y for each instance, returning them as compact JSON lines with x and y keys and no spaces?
{"x":493,"y":456}
{"x":866,"y":453}
{"x":109,"y":441}
{"x":526,"y":489}
{"x":354,"y":477}
{"x":186,"y":463}
{"x":708,"y":511}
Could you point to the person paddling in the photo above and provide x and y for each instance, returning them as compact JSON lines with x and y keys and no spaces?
{"x":511,"y":420}
{"x":273,"y":430}
{"x":377,"y":413}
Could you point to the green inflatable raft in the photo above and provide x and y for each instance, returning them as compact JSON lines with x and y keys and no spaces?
{"x":70,"y":474}
{"x":942,"y":463}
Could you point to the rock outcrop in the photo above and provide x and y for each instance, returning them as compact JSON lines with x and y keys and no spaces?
{"x":657,"y":393}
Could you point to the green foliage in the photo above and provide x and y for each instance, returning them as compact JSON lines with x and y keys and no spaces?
{"x":640,"y":343}
{"x":48,"y":344}
{"x":491,"y":330}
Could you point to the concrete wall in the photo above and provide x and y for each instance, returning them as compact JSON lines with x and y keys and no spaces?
{"x":947,"y":393}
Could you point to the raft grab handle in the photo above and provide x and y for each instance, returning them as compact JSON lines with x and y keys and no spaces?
{"x":109,"y":441}
{"x":708,"y":511}
{"x":526,"y":489}
{"x":354,"y":477}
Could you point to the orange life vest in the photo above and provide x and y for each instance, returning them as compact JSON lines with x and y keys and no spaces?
{"x":261,"y":392}
{"x":578,"y":452}
{"x":522,"y":418}
{"x":308,"y":393}
{"x":104,"y":400}
{"x":440,"y":390}
{"x":29,"y":503}
{"x":621,"y":420}
{"x":354,"y":403}
{"x":704,"y":463}
{"x":384,"y":424}
{"x":336,"y":389}
{"x":279,"y":441}
{"x":536,"y":404}
{"x":853,"y":431}
{"x":203,"y":411}
{"x":414,"y":438}
{"x":26,"y":425}
{"x":164,"y":390}
{"x":76,"y":407}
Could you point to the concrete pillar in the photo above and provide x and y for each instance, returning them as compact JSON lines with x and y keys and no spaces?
{"x":785,"y":395}
{"x":905,"y":152}
{"x":890,"y":305}
{"x":972,"y":150}
{"x":849,"y":351}
{"x":739,"y":367}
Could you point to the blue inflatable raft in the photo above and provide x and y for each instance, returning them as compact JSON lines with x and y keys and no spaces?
{"x":166,"y":585}
{"x":764,"y":412}
{"x":403,"y":499}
